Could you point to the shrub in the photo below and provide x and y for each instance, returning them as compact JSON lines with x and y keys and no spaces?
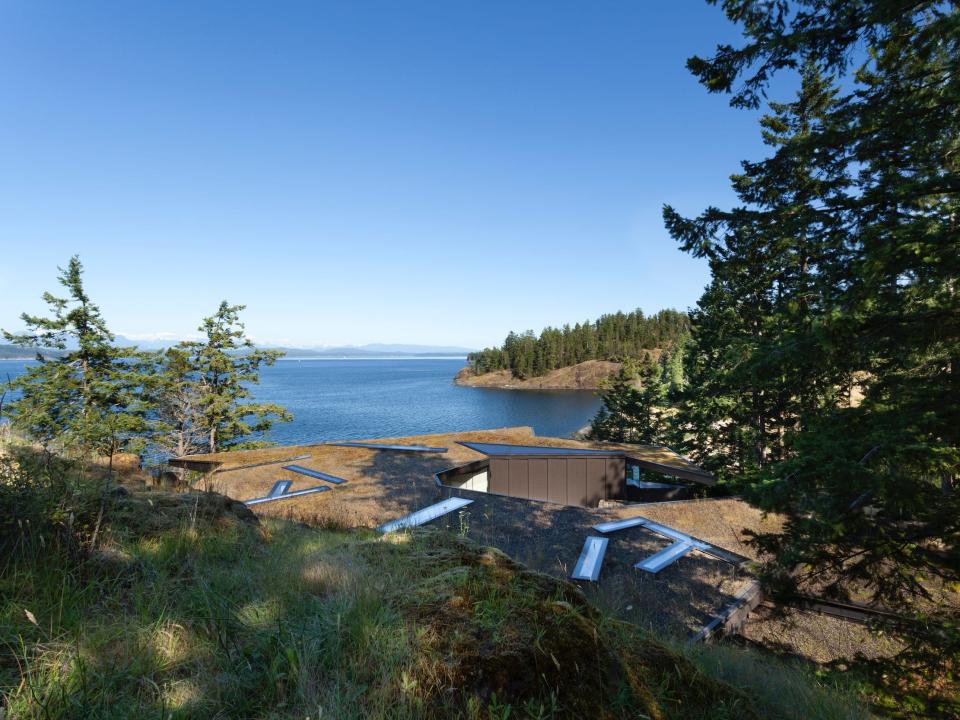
{"x":46,"y":503}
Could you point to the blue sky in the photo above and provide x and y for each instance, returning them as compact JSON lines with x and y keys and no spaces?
{"x":421,"y":172}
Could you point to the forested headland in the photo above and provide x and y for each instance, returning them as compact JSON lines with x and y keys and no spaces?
{"x":615,"y":337}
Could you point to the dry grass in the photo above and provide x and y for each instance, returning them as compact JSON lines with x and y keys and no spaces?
{"x":589,"y":375}
{"x":719,"y":521}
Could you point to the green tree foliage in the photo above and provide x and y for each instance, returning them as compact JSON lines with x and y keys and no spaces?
{"x":178,"y":423}
{"x":632,"y":410}
{"x":617,"y":337}
{"x":216,"y":373}
{"x":754,"y":367}
{"x":86,"y":394}
{"x":838,"y":276}
{"x":89,"y":396}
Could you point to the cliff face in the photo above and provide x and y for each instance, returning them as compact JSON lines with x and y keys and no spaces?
{"x":584,"y":376}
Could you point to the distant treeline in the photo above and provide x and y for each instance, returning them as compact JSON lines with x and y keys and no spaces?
{"x":15,"y":352}
{"x":616,"y":337}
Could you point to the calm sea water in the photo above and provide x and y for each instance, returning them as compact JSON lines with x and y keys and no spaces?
{"x":353,"y":399}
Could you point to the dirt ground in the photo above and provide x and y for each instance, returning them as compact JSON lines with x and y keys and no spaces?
{"x":811,"y":636}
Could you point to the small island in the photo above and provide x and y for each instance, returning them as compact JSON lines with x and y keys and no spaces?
{"x":588,"y":375}
{"x":579,"y":357}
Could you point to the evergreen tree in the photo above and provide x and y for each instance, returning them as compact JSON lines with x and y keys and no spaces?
{"x":839,"y":274}
{"x":90,"y":395}
{"x":222,"y":367}
{"x":754,"y":364}
{"x":674,"y":377}
{"x":632,"y":406}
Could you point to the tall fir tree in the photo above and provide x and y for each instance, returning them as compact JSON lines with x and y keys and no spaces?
{"x":89,"y":395}
{"x":836,"y":280}
{"x":178,"y":426}
{"x":632,"y":410}
{"x":754,"y":363}
{"x":223,"y":366}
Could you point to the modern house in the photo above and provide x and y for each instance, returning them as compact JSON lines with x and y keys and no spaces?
{"x":578,"y":475}
{"x":610,"y":517}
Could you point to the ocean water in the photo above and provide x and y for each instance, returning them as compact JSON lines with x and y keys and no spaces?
{"x":354,"y":399}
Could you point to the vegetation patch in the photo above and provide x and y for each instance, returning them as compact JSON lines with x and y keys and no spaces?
{"x":163,"y":605}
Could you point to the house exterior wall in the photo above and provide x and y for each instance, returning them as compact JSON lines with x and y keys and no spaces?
{"x":567,"y":481}
{"x":499,"y":476}
{"x":557,"y":481}
{"x":572,"y":480}
{"x":539,"y":479}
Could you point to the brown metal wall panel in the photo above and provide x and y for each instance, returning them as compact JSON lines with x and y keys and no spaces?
{"x":596,"y":480}
{"x":538,"y":479}
{"x":616,"y":478}
{"x":499,"y":482}
{"x":519,"y":477}
{"x":576,"y":481}
{"x":557,"y":480}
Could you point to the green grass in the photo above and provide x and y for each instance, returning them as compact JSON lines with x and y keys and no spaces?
{"x":187,"y":623}
{"x":186,"y":609}
{"x":780,"y":688}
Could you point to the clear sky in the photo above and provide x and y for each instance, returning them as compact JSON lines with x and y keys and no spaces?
{"x":397,"y":171}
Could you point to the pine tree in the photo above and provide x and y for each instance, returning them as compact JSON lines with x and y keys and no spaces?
{"x":632,"y":410}
{"x":753,"y":364}
{"x":89,"y":396}
{"x":223,"y":366}
{"x":841,"y":270}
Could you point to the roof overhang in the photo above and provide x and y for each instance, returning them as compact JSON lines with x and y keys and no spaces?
{"x":196,"y":465}
{"x":696,"y":475}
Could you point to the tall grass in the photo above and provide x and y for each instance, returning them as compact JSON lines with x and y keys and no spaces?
{"x":780,"y":688}
{"x":188,"y":624}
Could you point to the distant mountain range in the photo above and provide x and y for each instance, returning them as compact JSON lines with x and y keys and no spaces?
{"x":377,"y":350}
{"x":13,"y":352}
{"x":373,"y":350}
